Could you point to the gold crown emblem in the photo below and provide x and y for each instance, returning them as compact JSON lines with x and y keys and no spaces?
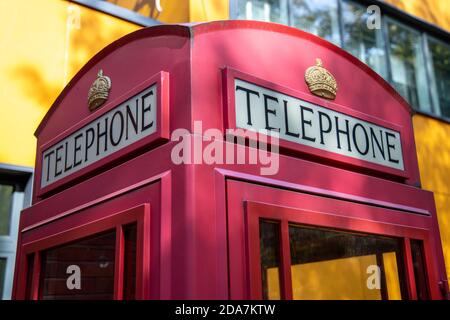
{"x":99,"y":91}
{"x":320,"y":81}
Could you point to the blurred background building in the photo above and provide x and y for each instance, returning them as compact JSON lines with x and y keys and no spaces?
{"x":43,"y":43}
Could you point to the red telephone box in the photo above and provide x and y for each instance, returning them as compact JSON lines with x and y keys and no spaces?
{"x":120,"y":212}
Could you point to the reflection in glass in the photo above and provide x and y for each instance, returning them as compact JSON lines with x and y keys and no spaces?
{"x":2,"y":275}
{"x":440,"y":54}
{"x":263,"y":10}
{"x":327,"y":264}
{"x":94,"y":256}
{"x":419,"y":269}
{"x":30,"y":269}
{"x":129,"y":270}
{"x":319,"y":17}
{"x":6,"y":194}
{"x":408,"y":65}
{"x":270,"y":259}
{"x":364,"y":43}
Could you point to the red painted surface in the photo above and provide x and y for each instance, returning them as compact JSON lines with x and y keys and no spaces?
{"x":198,"y":211}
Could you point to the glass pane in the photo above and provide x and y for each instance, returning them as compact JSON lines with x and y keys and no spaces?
{"x":95,"y":259}
{"x":440,"y":54}
{"x":319,"y":17}
{"x":30,"y":268}
{"x":6,"y":194}
{"x":129,"y":278}
{"x":2,"y":275}
{"x":264,"y":10}
{"x":408,"y":65}
{"x":327,"y":264}
{"x":419,"y":269}
{"x":364,"y":43}
{"x":270,"y":259}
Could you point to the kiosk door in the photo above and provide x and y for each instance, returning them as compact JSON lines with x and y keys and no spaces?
{"x":97,"y":251}
{"x":291,"y":245}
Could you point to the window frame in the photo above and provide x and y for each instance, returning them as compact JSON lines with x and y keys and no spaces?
{"x":118,"y":221}
{"x":284,"y":216}
{"x":21,"y":179}
{"x":434,"y":95}
{"x":424,"y":57}
{"x":383,"y":33}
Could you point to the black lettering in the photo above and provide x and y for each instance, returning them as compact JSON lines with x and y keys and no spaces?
{"x":47,"y":158}
{"x":379,"y":143}
{"x":346,"y":132}
{"x":286,"y":122}
{"x":102,"y":134}
{"x":87,"y":144}
{"x":144,"y":110}
{"x":323,"y":115}
{"x":267,"y":110}
{"x":248,"y":92}
{"x":134,"y":121}
{"x":111,"y":128}
{"x":390,"y":146}
{"x":58,"y":159}
{"x":76,"y":149}
{"x":308,"y":122}
{"x":66,"y":168}
{"x":366,"y":138}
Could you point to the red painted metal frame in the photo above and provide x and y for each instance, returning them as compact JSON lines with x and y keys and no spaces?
{"x":230,"y":74}
{"x":327,"y":212}
{"x":139,"y":214}
{"x":161,"y":79}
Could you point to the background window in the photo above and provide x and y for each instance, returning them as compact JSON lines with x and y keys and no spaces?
{"x":270,"y":259}
{"x":6,"y":194}
{"x":440,"y":55}
{"x":319,"y":17}
{"x":264,"y":10}
{"x":408,"y":65}
{"x":95,"y":256}
{"x":364,"y":43}
{"x":328,"y":264}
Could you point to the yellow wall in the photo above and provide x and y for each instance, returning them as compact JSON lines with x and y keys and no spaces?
{"x":325,"y":280}
{"x":208,"y":10}
{"x":43,"y":43}
{"x":344,"y":279}
{"x":172,"y":11}
{"x":179,"y":10}
{"x":434,"y":11}
{"x":433,"y":150}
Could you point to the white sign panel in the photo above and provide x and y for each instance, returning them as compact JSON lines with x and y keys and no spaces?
{"x":302,"y":122}
{"x":120,"y":127}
